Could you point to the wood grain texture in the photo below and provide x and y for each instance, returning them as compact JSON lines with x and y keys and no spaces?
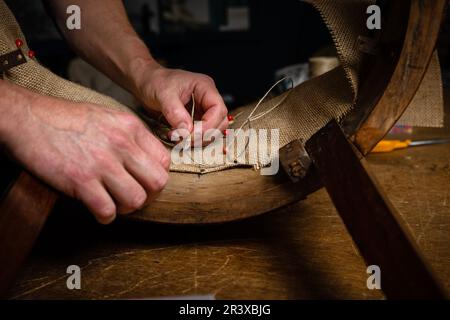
{"x":184,"y":200}
{"x":371,"y":219}
{"x":425,"y":19}
{"x":206,"y":199}
{"x":388,"y":86}
{"x":224,"y":196}
{"x":302,"y":251}
{"x":22,"y":215}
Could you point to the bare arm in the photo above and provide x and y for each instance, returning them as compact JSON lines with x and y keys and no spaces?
{"x":106,"y":39}
{"x":107,"y":159}
{"x":109,"y":42}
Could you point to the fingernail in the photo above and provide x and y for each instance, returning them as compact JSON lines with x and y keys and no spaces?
{"x":107,"y":219}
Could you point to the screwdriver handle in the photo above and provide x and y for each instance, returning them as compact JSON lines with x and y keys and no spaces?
{"x":390,"y":145}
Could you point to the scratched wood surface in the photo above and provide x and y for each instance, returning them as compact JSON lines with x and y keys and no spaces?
{"x":300,"y":251}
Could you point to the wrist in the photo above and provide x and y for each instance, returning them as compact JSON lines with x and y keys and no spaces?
{"x":140,"y":64}
{"x":142,"y":69}
{"x":12,"y":102}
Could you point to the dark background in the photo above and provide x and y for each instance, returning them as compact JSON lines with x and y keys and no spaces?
{"x":241,"y":62}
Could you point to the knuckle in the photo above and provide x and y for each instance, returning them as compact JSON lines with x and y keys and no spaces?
{"x":138,"y":158}
{"x":76,"y":175}
{"x":120,"y":140}
{"x":103,"y":160}
{"x":165,"y":160}
{"x":129,"y":120}
{"x":208,"y":80}
{"x":173,"y":113}
{"x":160,"y":182}
{"x":138,"y":199}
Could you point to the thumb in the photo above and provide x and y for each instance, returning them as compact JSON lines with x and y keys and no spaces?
{"x":176,"y":114}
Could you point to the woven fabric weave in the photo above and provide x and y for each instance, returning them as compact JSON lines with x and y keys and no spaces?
{"x":427,"y":107}
{"x":312,"y":104}
{"x":37,"y":78}
{"x":304,"y":110}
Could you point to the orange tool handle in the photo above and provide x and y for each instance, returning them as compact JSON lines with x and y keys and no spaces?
{"x":390,"y":145}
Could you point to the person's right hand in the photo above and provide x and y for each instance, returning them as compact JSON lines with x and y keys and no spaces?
{"x":107,"y":159}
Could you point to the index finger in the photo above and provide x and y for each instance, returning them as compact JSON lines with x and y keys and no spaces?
{"x":211,"y":103}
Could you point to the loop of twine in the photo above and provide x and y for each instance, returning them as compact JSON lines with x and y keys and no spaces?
{"x":251,"y":117}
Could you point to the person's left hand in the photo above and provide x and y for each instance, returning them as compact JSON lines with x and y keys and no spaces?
{"x":169,"y":91}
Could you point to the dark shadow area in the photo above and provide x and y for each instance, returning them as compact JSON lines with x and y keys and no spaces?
{"x":71,"y":230}
{"x":243,"y":63}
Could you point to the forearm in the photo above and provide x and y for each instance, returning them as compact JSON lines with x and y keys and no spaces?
{"x":12,"y":102}
{"x":105,"y":158}
{"x":106,"y":39}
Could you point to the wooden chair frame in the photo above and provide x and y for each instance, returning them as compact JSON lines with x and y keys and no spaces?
{"x":389,"y":82}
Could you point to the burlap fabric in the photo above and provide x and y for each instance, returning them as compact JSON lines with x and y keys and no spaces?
{"x":312,"y":104}
{"x":35,"y":77}
{"x":302,"y":112}
{"x":427,"y":107}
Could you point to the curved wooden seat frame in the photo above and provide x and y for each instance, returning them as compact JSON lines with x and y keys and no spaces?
{"x":389,"y":82}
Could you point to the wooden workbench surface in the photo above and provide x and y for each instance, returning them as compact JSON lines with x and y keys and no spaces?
{"x":301,"y":251}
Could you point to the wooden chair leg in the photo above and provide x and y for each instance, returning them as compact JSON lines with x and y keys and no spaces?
{"x":23,"y":213}
{"x":372,"y":221}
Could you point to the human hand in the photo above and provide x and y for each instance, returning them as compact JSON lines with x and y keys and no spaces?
{"x":169,"y":91}
{"x":107,"y":159}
